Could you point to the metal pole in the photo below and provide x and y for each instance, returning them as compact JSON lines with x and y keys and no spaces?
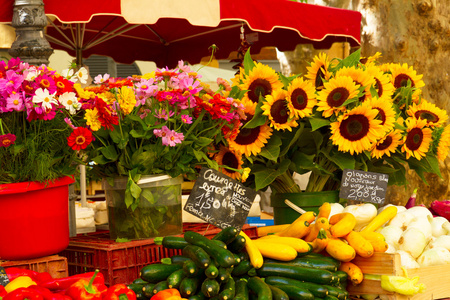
{"x":29,"y":21}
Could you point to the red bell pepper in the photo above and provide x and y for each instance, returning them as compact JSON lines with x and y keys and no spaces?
{"x":57,"y":284}
{"x":2,"y":291}
{"x":119,"y":292}
{"x":86,"y":290}
{"x":49,"y":295}
{"x":168,"y":294}
{"x":14,"y":272}
{"x":23,"y":294}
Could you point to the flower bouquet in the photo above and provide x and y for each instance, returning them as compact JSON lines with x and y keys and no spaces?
{"x":343,"y":114}
{"x":165,"y":123}
{"x":33,"y":132}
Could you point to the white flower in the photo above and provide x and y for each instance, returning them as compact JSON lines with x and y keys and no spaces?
{"x":43,"y":96}
{"x":70,"y":102}
{"x":67,"y":73}
{"x":82,"y":75}
{"x":100,"y":79}
{"x":31,"y":73}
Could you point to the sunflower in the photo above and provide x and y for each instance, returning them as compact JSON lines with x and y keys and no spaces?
{"x":444,"y":144}
{"x":335,"y":93}
{"x":229,"y":158}
{"x":383,"y":84}
{"x":356,"y":130}
{"x":359,"y":76}
{"x":418,"y":138}
{"x":435,"y":116}
{"x":276,"y":108}
{"x":401,"y":74}
{"x":387,"y":144}
{"x":250,"y":140}
{"x":261,"y":81}
{"x":370,"y":61}
{"x":386,"y":113}
{"x":318,"y":71}
{"x":301,"y":97}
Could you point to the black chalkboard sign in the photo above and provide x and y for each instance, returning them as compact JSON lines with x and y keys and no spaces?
{"x":363,"y":186}
{"x":220,"y":200}
{"x":4,"y":280}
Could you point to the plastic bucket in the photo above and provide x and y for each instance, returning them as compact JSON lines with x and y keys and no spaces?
{"x":158,"y":213}
{"x":34,"y":219}
{"x":309,"y":201}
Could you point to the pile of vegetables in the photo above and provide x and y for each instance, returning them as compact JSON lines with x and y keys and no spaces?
{"x":230,"y":265}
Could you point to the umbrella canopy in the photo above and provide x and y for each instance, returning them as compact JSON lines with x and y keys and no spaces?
{"x":171,"y":30}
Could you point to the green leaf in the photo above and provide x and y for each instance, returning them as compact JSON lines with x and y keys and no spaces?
{"x":272,"y":149}
{"x":120,"y":137}
{"x":249,"y":64}
{"x":342,"y":160}
{"x":203,"y":141}
{"x":148,"y":195}
{"x":110,"y":153}
{"x":317,"y":123}
{"x":258,"y":119}
{"x":265,"y":176}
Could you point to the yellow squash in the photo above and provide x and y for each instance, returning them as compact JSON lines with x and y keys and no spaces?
{"x":265,"y":230}
{"x":386,"y":215}
{"x":253,"y":252}
{"x":321,"y":222}
{"x":320,"y":242}
{"x":342,"y":224}
{"x":340,"y":250}
{"x":324,"y":211}
{"x":362,"y":246}
{"x":355,"y":274}
{"x":376,"y":239}
{"x":275,"y":250}
{"x":298,"y":244}
{"x":300,"y":227}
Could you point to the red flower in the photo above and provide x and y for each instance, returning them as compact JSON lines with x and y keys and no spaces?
{"x":63,"y":85}
{"x":7,"y":139}
{"x":80,"y":138}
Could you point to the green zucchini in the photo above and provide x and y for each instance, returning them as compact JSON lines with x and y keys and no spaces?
{"x":141,"y":296}
{"x":242,"y":268}
{"x":174,"y":242}
{"x":211,"y":271}
{"x":259,"y":287}
{"x":139,"y":281}
{"x":178,"y":259}
{"x":241,"y":290}
{"x":228,"y":290}
{"x":277,"y":293}
{"x":174,"y":279}
{"x":317,"y":290}
{"x":342,"y":278}
{"x":147,"y":289}
{"x":191,"y":269}
{"x":310,"y":262}
{"x":222,"y":256}
{"x":226,"y":235}
{"x":237,"y":245}
{"x":198,"y":255}
{"x":136,"y":287}
{"x":220,"y":243}
{"x":296,"y":272}
{"x":295,"y":292}
{"x":157,"y":272}
{"x":160,"y":286}
{"x":224,"y":274}
{"x":189,"y":286}
{"x":330,"y":298}
{"x":198,"y":296}
{"x":210,"y":287}
{"x":334,"y":291}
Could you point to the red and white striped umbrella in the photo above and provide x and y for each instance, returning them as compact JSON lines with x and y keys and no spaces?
{"x":170,"y":30}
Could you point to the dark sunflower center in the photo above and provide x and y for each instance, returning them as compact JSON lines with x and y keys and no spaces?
{"x":427,"y":115}
{"x":402,"y":81}
{"x":279,"y":111}
{"x":259,"y":87}
{"x":355,"y":127}
{"x":319,"y":77}
{"x":299,"y":99}
{"x":414,"y":139}
{"x":230,"y":160}
{"x":247,"y":136}
{"x":381,"y":115}
{"x":337,"y":97}
{"x":385,"y":144}
{"x":378,"y":87}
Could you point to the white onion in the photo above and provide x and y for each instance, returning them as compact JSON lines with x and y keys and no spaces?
{"x":407,"y":260}
{"x":419,"y":211}
{"x":437,"y":228}
{"x":402,"y":219}
{"x":423,"y":225}
{"x":412,"y":241}
{"x":441,"y":241}
{"x":364,"y":213}
{"x":390,"y":249}
{"x":434,"y":257}
{"x":336,"y":208}
{"x":391,"y":234}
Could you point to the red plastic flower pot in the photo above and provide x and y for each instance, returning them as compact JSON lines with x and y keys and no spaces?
{"x":34,"y":218}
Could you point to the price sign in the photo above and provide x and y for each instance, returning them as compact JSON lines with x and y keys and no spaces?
{"x":363,"y":186}
{"x":220,"y":200}
{"x":4,"y":280}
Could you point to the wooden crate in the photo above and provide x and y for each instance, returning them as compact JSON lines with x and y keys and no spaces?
{"x":55,"y":265}
{"x":436,"y":278}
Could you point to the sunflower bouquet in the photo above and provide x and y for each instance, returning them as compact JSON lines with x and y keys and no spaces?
{"x":33,"y":130}
{"x":343,"y":114}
